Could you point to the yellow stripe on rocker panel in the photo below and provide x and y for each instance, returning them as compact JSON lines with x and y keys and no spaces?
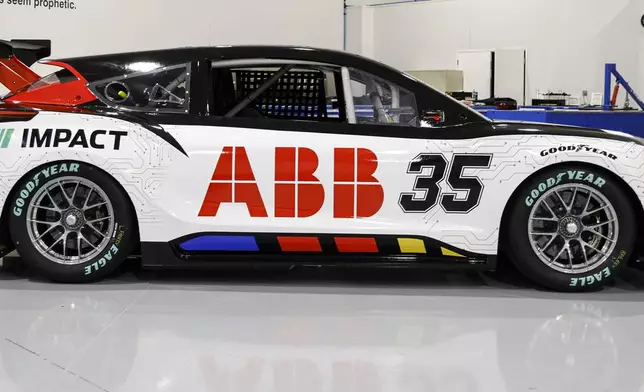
{"x":411,"y":245}
{"x":447,"y":252}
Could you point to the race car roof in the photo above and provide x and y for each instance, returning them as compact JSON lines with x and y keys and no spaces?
{"x":111,"y":65}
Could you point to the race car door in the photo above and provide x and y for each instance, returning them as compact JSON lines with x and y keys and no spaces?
{"x":302,"y":147}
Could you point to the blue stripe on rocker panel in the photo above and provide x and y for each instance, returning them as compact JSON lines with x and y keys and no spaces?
{"x":229,"y":243}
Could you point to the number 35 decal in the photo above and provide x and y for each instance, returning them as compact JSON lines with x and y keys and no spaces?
{"x":428,"y":183}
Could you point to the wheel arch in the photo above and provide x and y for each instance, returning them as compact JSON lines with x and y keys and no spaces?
{"x":628,"y":191}
{"x":6,"y":242}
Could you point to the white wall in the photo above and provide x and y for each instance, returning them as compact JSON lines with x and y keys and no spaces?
{"x":354,"y":35}
{"x":100,"y":26}
{"x":359,"y":31}
{"x":372,"y":2}
{"x":568,"y":41}
{"x":105,"y":26}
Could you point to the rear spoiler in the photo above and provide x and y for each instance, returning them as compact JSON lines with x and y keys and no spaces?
{"x":28,"y":51}
{"x":16,"y":56}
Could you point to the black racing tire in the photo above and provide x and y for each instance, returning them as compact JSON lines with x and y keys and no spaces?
{"x":519,"y":242}
{"x":109,"y":253}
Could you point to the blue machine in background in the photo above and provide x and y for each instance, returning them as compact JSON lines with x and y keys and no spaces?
{"x":631,"y":122}
{"x":602,"y":117}
{"x":609,"y":72}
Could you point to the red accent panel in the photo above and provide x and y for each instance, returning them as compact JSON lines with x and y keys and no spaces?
{"x":248,"y":192}
{"x":285,"y":200}
{"x":67,"y":67}
{"x":66,"y":94}
{"x":299,"y":244}
{"x":307,"y":165}
{"x":367,"y":165}
{"x":310,"y":199}
{"x":344,"y":168}
{"x":217,"y":194}
{"x":226,"y":189}
{"x":224,"y":169}
{"x":284,"y":163}
{"x":72,"y":93}
{"x":243,"y":171}
{"x":343,"y":201}
{"x":369,"y":199}
{"x":356,"y":245}
{"x":304,"y":183}
{"x":15,"y":75}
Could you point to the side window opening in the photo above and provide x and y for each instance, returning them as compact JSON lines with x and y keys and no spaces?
{"x":296,"y":92}
{"x":164,"y":89}
{"x":377,"y":101}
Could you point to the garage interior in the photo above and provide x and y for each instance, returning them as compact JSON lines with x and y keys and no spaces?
{"x":576,"y":62}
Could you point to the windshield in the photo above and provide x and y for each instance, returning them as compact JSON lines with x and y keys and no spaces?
{"x":61,"y":76}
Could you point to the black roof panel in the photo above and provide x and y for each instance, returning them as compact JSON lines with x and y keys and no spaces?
{"x":109,"y":65}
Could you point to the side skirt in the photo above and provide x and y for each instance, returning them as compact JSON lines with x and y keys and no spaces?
{"x":164,"y":255}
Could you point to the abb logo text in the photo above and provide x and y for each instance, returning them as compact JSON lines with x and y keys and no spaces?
{"x":298,"y":191}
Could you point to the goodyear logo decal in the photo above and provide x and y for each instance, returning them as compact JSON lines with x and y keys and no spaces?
{"x":5,"y":137}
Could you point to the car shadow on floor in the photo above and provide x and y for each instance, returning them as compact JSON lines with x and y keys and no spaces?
{"x":13,"y":269}
{"x":506,"y":281}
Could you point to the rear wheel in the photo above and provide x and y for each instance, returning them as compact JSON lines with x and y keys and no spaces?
{"x":72,"y":222}
{"x":572,"y":229}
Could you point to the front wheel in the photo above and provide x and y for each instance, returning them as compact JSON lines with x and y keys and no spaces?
{"x":72,"y":222}
{"x":572,"y":229}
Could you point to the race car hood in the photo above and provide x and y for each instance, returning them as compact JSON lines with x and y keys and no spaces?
{"x":564,"y":130}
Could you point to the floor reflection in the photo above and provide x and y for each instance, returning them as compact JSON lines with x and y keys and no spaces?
{"x":317,"y":330}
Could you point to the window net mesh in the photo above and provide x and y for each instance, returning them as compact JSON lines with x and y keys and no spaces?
{"x":297,"y":94}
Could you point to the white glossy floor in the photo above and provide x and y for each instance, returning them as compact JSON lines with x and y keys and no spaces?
{"x":318,"y":330}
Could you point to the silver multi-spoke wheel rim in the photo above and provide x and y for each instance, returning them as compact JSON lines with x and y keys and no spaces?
{"x":573,"y":228}
{"x":70,"y":220}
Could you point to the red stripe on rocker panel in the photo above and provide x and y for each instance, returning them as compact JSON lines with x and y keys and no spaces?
{"x":356,"y":245}
{"x":299,"y":244}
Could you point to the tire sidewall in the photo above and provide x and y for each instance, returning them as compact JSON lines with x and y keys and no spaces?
{"x":531,"y":265}
{"x":121,"y":239}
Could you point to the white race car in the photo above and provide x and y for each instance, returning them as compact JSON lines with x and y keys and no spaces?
{"x":246,"y":155}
